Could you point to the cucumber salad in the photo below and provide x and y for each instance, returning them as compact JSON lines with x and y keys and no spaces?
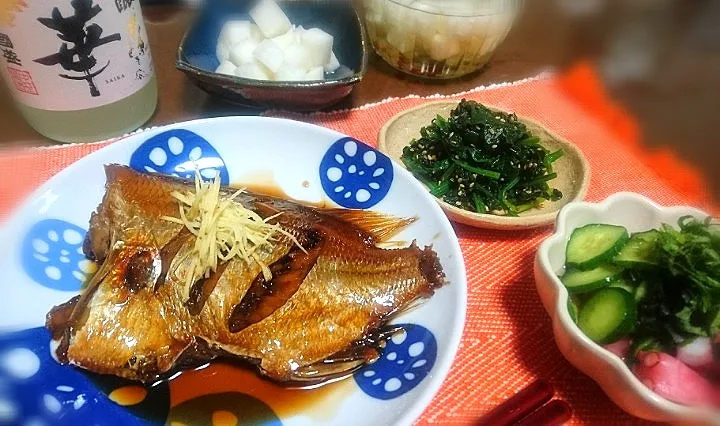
{"x":652,"y":298}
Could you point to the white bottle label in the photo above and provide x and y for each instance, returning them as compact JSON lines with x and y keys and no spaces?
{"x":70,"y":55}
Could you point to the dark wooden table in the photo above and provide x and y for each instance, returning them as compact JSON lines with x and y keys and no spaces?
{"x":660,"y":59}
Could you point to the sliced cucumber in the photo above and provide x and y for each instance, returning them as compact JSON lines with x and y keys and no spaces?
{"x":640,"y":249}
{"x":621,"y":282}
{"x":578,"y":281}
{"x":572,"y":309}
{"x":640,"y":291}
{"x":608,"y":315}
{"x":591,"y":245}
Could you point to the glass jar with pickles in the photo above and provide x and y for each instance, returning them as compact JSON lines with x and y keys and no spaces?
{"x":438,"y":39}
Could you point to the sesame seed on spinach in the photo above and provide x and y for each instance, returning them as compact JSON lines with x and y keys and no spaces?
{"x":483,"y":160}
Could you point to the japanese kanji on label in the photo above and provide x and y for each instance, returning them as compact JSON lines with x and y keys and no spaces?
{"x":8,"y":53}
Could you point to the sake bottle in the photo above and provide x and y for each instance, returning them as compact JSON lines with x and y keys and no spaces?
{"x":79,"y":70}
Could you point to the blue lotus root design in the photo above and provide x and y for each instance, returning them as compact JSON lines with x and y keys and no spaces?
{"x":179,"y":152}
{"x":354,"y":175}
{"x":407,"y":359}
{"x":52,"y":255}
{"x":37,"y":390}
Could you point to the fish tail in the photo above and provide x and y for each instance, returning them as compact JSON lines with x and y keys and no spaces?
{"x":430,"y":267}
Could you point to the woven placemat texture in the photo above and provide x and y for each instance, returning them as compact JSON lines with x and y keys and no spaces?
{"x":508,"y":341}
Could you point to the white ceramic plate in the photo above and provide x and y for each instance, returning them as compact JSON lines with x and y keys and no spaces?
{"x":43,"y":265}
{"x":636,"y":213}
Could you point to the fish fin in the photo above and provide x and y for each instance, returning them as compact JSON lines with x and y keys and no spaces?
{"x":347,"y":361}
{"x":337,"y":366}
{"x":430,"y":267}
{"x":431,"y":270}
{"x":380,"y":226}
{"x":90,"y":288}
{"x":63,"y":320}
{"x":409,"y":307}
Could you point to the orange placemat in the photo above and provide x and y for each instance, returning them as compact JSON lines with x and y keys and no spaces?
{"x":508,"y":340}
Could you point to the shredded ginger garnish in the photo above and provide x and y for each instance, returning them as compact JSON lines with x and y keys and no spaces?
{"x":224,"y":230}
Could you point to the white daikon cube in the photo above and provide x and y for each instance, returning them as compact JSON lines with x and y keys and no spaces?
{"x":483,"y":26}
{"x":234,"y":32}
{"x":398,"y":17}
{"x":374,"y":17}
{"x":404,"y":42}
{"x":319,"y":46}
{"x":316,"y":73}
{"x":370,"y":6}
{"x":270,"y":18}
{"x":226,"y":67}
{"x":270,"y":55}
{"x":290,"y":74}
{"x":503,"y":22}
{"x":285,"y":40}
{"x":333,"y":64}
{"x":297,"y":57}
{"x":486,"y":28}
{"x":463,"y":26}
{"x":254,"y":70}
{"x":222,"y":51}
{"x":472,"y":45}
{"x":442,"y":46}
{"x":243,"y":53}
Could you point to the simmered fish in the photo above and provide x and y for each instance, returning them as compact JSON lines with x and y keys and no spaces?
{"x":310,"y":306}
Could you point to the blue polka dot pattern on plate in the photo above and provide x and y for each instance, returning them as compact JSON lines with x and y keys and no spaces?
{"x":37,"y":390}
{"x":52,"y":255}
{"x":407,"y":359}
{"x":179,"y":152}
{"x":354,"y":175}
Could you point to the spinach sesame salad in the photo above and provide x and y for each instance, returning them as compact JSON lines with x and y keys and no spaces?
{"x":483,"y":160}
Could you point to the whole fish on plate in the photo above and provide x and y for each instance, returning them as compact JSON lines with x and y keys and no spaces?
{"x":303,"y":293}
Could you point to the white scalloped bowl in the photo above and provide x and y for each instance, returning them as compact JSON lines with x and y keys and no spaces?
{"x":636,"y":213}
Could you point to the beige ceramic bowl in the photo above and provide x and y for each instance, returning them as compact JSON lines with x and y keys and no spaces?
{"x":572,"y":168}
{"x":636,"y":213}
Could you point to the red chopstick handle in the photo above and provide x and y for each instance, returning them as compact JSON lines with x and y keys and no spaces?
{"x":554,"y":413}
{"x":520,"y":405}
